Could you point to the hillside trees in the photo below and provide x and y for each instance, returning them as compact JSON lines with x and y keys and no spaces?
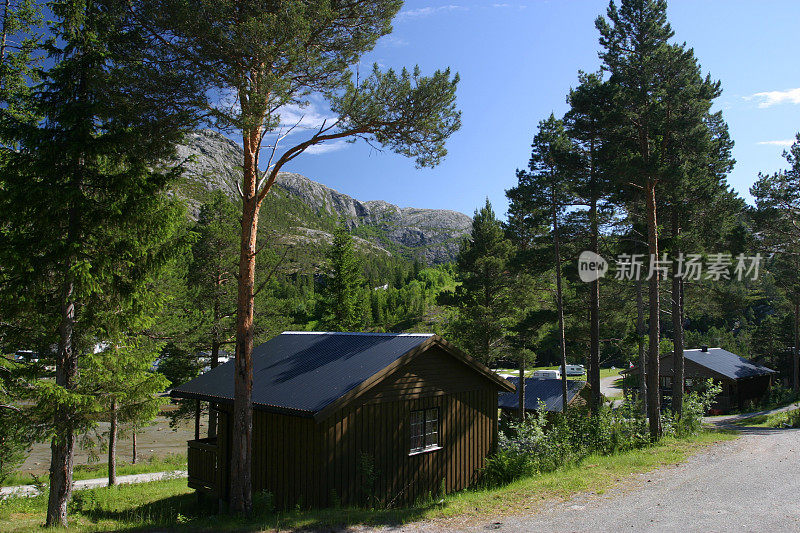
{"x":84,"y":220}
{"x":260,"y":58}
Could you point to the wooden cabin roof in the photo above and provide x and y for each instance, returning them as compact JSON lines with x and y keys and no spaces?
{"x":719,"y":361}
{"x":312,"y":373}
{"x":547,"y":390}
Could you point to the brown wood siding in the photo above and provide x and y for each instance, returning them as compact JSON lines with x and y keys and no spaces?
{"x":303,"y":462}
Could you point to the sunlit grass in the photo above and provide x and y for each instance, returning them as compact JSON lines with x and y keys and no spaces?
{"x":171,"y":504}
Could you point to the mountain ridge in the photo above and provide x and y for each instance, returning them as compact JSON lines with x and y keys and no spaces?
{"x":212,"y":161}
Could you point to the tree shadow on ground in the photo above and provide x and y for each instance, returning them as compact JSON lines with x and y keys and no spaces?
{"x":186,"y":513}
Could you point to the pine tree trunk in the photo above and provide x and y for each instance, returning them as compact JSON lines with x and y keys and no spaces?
{"x":112,"y":446}
{"x":215,"y":346}
{"x":653,"y":393}
{"x":5,"y":31}
{"x":521,"y":388}
{"x":560,"y":309}
{"x":796,"y":358}
{"x":133,"y":458}
{"x":242,"y":437}
{"x":677,"y":326}
{"x":594,"y":314}
{"x":62,"y":447}
{"x":640,"y":333}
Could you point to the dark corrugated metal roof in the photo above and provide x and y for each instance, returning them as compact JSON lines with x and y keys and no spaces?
{"x":547,"y":390}
{"x":726,"y":363}
{"x":301,"y":373}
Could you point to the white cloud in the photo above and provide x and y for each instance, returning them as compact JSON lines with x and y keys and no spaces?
{"x":771,"y":98}
{"x":309,"y":117}
{"x":327,"y":147}
{"x":427,"y":11}
{"x":787,"y":142}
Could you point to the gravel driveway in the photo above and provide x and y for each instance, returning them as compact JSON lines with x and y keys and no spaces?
{"x":748,"y":484}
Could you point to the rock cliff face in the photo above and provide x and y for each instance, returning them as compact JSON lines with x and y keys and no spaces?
{"x":433,"y":235}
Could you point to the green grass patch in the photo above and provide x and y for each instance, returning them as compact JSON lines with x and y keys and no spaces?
{"x":773,"y":420}
{"x":604,"y":372}
{"x":100,"y":470}
{"x":172,"y":505}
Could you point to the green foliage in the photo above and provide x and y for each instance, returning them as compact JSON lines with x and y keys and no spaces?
{"x":482,"y":298}
{"x":543,"y":443}
{"x":341,"y":290}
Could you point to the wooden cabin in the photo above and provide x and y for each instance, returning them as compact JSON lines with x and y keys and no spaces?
{"x":352,"y":418}
{"x":542,"y":392}
{"x":743,"y":382}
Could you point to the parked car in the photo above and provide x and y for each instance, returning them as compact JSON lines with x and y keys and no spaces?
{"x":575,"y":370}
{"x":549,"y":374}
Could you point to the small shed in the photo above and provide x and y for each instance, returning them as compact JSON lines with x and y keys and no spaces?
{"x":742,"y":381}
{"x":546,"y":390}
{"x":352,"y":418}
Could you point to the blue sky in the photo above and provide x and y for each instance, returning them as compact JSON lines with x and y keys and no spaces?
{"x":517,"y":61}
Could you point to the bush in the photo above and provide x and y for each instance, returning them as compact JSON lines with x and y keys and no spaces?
{"x":539,"y":444}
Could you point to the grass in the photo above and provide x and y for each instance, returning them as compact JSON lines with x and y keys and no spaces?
{"x":773,"y":420}
{"x":100,"y":470}
{"x":604,"y":372}
{"x":171,"y":505}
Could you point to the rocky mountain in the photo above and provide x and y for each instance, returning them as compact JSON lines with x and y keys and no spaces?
{"x":433,"y":235}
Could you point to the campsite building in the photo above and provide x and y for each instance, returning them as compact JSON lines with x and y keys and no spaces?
{"x":541,"y":392}
{"x":352,"y":418}
{"x":742,"y":381}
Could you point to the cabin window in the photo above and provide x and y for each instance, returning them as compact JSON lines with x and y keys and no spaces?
{"x":424,"y":430}
{"x":666,"y":382}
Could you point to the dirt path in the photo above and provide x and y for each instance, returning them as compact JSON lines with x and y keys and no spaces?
{"x":748,"y":484}
{"x":31,"y":490}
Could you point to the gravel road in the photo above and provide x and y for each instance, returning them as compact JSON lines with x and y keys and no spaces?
{"x":748,"y":484}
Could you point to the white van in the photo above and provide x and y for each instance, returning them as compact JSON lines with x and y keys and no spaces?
{"x":551,"y":374}
{"x":575,"y":370}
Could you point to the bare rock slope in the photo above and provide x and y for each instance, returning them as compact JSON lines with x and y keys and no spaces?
{"x":433,"y":235}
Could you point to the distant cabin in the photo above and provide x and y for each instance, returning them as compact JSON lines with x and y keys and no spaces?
{"x":742,"y":381}
{"x":539,"y":392}
{"x":352,"y":418}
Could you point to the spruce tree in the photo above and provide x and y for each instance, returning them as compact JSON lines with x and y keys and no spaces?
{"x":84,"y":218}
{"x":341,"y":292}
{"x":482,"y":299}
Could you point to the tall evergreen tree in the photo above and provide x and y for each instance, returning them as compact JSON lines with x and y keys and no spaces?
{"x":84,"y":217}
{"x":542,"y":195}
{"x":777,"y":199}
{"x":262,"y":57}
{"x":661,"y":103}
{"x":586,"y":123}
{"x":341,"y":294}
{"x":482,"y":299}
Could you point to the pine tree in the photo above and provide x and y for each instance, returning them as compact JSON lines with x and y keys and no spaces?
{"x":342,"y":289}
{"x":262,"y":57}
{"x":777,"y":199}
{"x":542,"y":196}
{"x":660,"y":107}
{"x":482,"y":299}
